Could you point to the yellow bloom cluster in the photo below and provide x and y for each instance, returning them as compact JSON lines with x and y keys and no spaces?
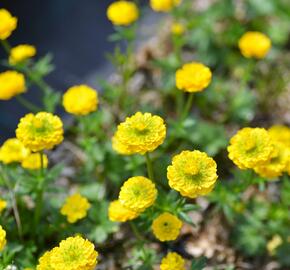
{"x":250,"y":147}
{"x":76,"y":207}
{"x":13,"y":150}
{"x":7,"y":24}
{"x":3,"y":205}
{"x":2,"y":238}
{"x":138,"y":193}
{"x":254,"y":45}
{"x":119,"y":213}
{"x":177,"y":28}
{"x":123,"y":13}
{"x":164,"y":5}
{"x":33,"y":161}
{"x":172,"y":261}
{"x":192,"y":173}
{"x":12,"y":83}
{"x":166,"y":227}
{"x":280,"y":134}
{"x":74,"y":253}
{"x":139,"y":134}
{"x":80,"y":100}
{"x":40,"y":131}
{"x":193,"y":77}
{"x":20,"y":53}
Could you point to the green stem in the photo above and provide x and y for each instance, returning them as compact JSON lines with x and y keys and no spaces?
{"x":27,"y":104}
{"x":39,"y":194}
{"x":187,"y":107}
{"x":149,"y":167}
{"x":136,"y":232}
{"x":6,"y":46}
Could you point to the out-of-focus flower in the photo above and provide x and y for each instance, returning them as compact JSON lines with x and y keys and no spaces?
{"x":164,"y":5}
{"x":166,"y":227}
{"x":192,"y":173}
{"x":138,"y":193}
{"x":250,"y":147}
{"x":123,"y":13}
{"x":21,"y":53}
{"x":119,"y":213}
{"x":33,"y":161}
{"x":139,"y":134}
{"x":280,"y":134}
{"x":3,"y":240}
{"x":254,"y":45}
{"x":76,"y":207}
{"x":80,"y":100}
{"x":74,"y":253}
{"x":177,"y":28}
{"x":272,"y":245}
{"x":277,"y":163}
{"x":7,"y":24}
{"x":13,"y":150}
{"x":172,"y":261}
{"x":193,"y":77}
{"x":40,"y":131}
{"x":3,"y":205}
{"x":12,"y":83}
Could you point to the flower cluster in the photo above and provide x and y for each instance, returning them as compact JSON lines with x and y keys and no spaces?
{"x":7,"y":24}
{"x":172,"y":261}
{"x":166,"y":227}
{"x":33,"y":161}
{"x":193,"y":77}
{"x":80,"y":100}
{"x":40,"y":131}
{"x":119,"y":213}
{"x":123,"y":13}
{"x":192,"y":173}
{"x":76,"y":207}
{"x":12,"y":83}
{"x":74,"y":253}
{"x":254,"y":45}
{"x":139,"y":134}
{"x":164,"y":5}
{"x":2,"y":238}
{"x":20,"y":53}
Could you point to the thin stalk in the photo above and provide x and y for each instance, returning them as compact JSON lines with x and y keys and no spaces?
{"x":14,"y":204}
{"x":187,"y":107}
{"x":136,"y":232}
{"x":6,"y":46}
{"x":149,"y":167}
{"x":27,"y":104}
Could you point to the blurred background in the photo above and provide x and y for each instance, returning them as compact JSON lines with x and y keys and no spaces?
{"x":74,"y":32}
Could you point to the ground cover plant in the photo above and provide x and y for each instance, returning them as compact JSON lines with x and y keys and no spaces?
{"x":181,"y":160}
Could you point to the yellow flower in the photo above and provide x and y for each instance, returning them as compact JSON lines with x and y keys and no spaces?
{"x":7,"y":24}
{"x":139,"y":134}
{"x":166,"y":227}
{"x":122,"y":13}
{"x":192,"y":173}
{"x":277,"y":163}
{"x":74,"y":253}
{"x":13,"y":150}
{"x":164,"y":5}
{"x":21,"y":53}
{"x":177,"y":28}
{"x":80,"y":100}
{"x":273,"y":244}
{"x":250,"y":147}
{"x":2,"y":238}
{"x":12,"y":83}
{"x":119,"y":213}
{"x":44,"y":262}
{"x":76,"y":207}
{"x":280,"y":134}
{"x":33,"y":161}
{"x":172,"y":261}
{"x":40,"y":131}
{"x":254,"y":45}
{"x":193,"y":77}
{"x":138,"y":193}
{"x":3,"y":205}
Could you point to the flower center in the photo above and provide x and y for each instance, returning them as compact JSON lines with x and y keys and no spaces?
{"x":37,"y":123}
{"x":192,"y":169}
{"x":250,"y":144}
{"x":141,"y":127}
